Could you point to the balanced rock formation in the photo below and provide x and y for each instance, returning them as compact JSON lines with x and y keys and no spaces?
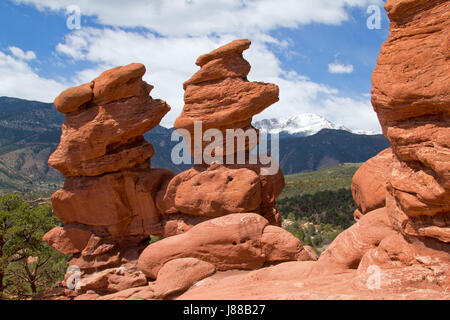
{"x":218,"y":243}
{"x":112,"y":201}
{"x":107,"y":203}
{"x":400,"y":246}
{"x":234,"y":202}
{"x":219,"y":97}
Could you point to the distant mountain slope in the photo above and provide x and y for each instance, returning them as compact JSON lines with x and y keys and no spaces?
{"x":30,"y":132}
{"x":328,"y":148}
{"x":328,"y":179}
{"x":301,"y":125}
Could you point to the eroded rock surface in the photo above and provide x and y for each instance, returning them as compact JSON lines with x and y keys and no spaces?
{"x":108,"y":200}
{"x":399,"y":248}
{"x":220,"y":97}
{"x":234,"y":241}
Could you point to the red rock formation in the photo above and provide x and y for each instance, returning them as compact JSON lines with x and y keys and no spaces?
{"x":369,"y":182}
{"x":220,"y":97}
{"x":234,"y":241}
{"x":400,"y":246}
{"x":178,"y":275}
{"x":108,"y":200}
{"x":398,"y":249}
{"x":410,"y":94}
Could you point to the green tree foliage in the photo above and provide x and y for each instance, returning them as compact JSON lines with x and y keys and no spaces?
{"x":27,"y":264}
{"x":324,"y":207}
{"x":318,"y":218}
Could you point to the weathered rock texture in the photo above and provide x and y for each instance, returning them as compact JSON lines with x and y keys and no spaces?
{"x":234,"y":241}
{"x":220,"y":97}
{"x":369,"y":184}
{"x":108,"y":200}
{"x":400,"y":246}
{"x":112,"y":201}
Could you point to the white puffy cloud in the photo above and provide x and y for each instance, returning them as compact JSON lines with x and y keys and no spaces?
{"x":21,"y":55}
{"x":337,"y":67}
{"x":18,"y":79}
{"x":355,"y":113}
{"x":171,"y":61}
{"x":200,"y":17}
{"x":176,"y":32}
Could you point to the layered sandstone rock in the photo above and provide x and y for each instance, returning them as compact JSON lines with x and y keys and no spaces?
{"x":400,"y":246}
{"x":219,"y":97}
{"x":234,"y":241}
{"x":410,"y":94}
{"x":108,"y":200}
{"x":369,"y":184}
{"x":403,"y":229}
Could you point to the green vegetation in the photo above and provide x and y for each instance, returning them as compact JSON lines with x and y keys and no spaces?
{"x":27,"y":264}
{"x":318,"y":205}
{"x":329,"y":179}
{"x":316,"y":236}
{"x":154,"y":239}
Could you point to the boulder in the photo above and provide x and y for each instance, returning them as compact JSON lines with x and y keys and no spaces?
{"x":369,"y":184}
{"x":234,"y":241}
{"x":212,"y":191}
{"x":229,"y":242}
{"x":112,"y":280}
{"x":68,"y":239}
{"x":71,"y":99}
{"x":279,"y":245}
{"x":178,"y":275}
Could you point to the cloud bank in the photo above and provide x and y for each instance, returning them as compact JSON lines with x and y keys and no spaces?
{"x":168,"y":36}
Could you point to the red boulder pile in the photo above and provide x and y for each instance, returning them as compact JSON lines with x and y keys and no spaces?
{"x":220,"y":97}
{"x":400,"y":246}
{"x":107,"y":203}
{"x":214,"y":217}
{"x":220,"y":224}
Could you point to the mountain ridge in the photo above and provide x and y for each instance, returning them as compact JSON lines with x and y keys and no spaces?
{"x":303,"y":124}
{"x":30,"y":132}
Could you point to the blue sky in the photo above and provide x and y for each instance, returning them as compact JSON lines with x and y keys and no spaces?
{"x":321,"y":53}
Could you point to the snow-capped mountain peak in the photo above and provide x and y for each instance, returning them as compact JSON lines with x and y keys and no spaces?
{"x":304,"y":124}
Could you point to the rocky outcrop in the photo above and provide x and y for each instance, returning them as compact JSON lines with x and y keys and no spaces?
{"x":399,"y":248}
{"x":108,"y":202}
{"x":369,"y":184}
{"x":234,"y":241}
{"x":112,"y":201}
{"x":410,"y":94}
{"x":220,"y":97}
{"x":178,"y":275}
